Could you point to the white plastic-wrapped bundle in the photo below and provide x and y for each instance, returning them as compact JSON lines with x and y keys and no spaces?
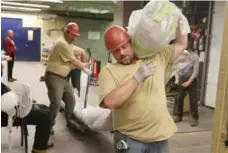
{"x":96,"y":118}
{"x":155,"y":26}
{"x":133,"y":20}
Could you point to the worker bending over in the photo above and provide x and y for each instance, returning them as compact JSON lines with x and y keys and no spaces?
{"x":187,"y":79}
{"x":134,"y":89}
{"x":61,"y":61}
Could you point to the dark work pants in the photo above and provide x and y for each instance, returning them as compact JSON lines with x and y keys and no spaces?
{"x":75,"y":76}
{"x":191,"y":89}
{"x":10,"y":66}
{"x":39,"y":116}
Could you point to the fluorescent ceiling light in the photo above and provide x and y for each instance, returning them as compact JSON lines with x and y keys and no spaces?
{"x":23,"y":4}
{"x":92,"y":10}
{"x":53,"y":1}
{"x":20,"y":8}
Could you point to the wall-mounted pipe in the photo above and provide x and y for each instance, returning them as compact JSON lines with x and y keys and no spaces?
{"x":52,"y":30}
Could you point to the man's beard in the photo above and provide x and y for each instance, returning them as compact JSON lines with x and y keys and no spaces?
{"x":71,"y":40}
{"x":128,"y":61}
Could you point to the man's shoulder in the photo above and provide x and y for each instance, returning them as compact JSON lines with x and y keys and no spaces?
{"x":61,"y":42}
{"x":109,"y":67}
{"x":106,"y":67}
{"x":112,"y":66}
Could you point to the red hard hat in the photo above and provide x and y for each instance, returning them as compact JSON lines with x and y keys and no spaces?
{"x":73,"y":28}
{"x":115,"y":37}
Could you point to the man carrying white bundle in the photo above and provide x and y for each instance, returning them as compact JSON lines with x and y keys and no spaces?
{"x":134,"y":89}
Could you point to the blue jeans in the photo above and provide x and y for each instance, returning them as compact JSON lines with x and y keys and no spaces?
{"x":135,"y":146}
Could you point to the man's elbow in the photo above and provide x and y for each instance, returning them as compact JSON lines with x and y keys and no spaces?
{"x":109,"y":104}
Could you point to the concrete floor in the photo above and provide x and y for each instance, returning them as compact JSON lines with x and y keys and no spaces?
{"x":186,"y":140}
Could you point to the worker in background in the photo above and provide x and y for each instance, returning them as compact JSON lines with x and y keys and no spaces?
{"x":134,"y":89}
{"x":39,"y":115}
{"x":75,"y":74}
{"x":187,"y":81}
{"x":10,"y":49}
{"x":61,"y":61}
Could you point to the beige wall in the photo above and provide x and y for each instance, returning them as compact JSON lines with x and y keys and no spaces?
{"x":221,"y":110}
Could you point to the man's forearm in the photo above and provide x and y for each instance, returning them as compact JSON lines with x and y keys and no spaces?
{"x":77,"y":64}
{"x":120,"y":95}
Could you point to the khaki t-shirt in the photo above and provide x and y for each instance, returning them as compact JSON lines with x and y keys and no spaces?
{"x":144,"y":116}
{"x":59,"y":61}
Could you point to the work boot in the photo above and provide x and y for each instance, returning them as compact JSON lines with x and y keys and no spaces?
{"x":40,"y":151}
{"x":194,"y":123}
{"x":177,"y":119}
{"x":10,"y":80}
{"x":14,"y":79}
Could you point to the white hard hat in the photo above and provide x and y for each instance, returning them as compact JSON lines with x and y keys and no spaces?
{"x":9,"y":101}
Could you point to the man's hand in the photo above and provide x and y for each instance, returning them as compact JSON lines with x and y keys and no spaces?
{"x":8,"y":58}
{"x":145,"y":71}
{"x":86,"y":65}
{"x":186,"y":84}
{"x":87,"y":71}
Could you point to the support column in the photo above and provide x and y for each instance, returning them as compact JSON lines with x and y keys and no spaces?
{"x":220,"y":123}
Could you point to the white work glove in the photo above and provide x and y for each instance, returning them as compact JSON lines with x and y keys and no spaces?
{"x":145,"y":71}
{"x":87,"y":69}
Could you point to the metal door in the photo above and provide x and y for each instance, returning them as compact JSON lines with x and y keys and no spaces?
{"x":27,"y":49}
{"x":6,"y":24}
{"x":215,"y":52}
